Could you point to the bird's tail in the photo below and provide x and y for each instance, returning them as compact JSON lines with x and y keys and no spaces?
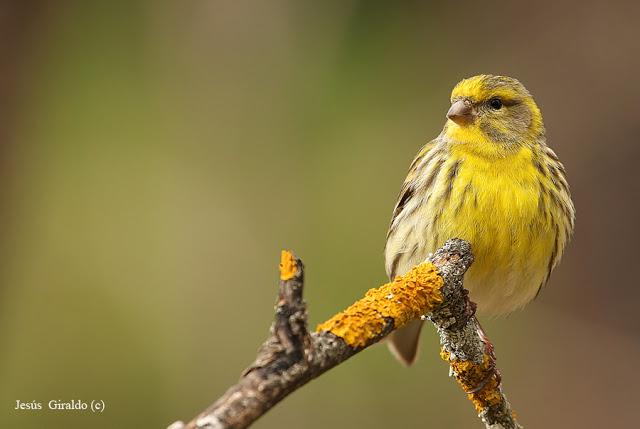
{"x":403,"y":342}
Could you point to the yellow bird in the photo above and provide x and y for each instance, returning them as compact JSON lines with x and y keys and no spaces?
{"x":491,"y":179}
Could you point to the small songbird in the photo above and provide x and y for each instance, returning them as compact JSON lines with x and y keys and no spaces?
{"x":491,"y":179}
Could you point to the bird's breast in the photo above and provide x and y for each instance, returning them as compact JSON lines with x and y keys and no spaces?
{"x":495,"y":206}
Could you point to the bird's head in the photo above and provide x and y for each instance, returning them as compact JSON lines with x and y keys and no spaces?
{"x":493,"y":109}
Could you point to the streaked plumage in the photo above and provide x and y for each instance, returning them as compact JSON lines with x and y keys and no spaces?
{"x":491,"y":179}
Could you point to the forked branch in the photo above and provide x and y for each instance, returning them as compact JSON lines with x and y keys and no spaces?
{"x":291,"y":355}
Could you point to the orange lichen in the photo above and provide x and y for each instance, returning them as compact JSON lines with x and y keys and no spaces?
{"x":288,"y":266}
{"x":406,"y":298}
{"x":471,"y":375}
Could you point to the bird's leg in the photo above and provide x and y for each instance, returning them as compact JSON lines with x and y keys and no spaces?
{"x":493,"y":369}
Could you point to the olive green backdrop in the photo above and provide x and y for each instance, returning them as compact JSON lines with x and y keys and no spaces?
{"x":156,"y":156}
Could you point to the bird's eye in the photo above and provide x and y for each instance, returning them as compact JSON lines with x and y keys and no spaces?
{"x":495,"y":103}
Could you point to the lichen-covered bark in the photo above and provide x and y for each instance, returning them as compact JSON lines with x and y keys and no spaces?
{"x":406,"y":298}
{"x":464,"y":347}
{"x":291,"y":356}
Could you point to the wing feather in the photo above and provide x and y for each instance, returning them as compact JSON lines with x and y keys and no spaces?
{"x":407,"y":192}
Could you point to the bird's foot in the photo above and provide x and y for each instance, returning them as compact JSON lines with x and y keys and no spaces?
{"x":492,"y":370}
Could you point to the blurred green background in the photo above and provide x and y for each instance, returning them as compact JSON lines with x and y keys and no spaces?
{"x":156,"y":156}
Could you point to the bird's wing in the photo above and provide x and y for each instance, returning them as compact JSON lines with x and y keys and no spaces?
{"x":560,"y":197}
{"x":403,"y":342}
{"x":408,"y":189}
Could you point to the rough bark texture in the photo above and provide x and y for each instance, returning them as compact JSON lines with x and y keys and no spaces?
{"x":464,"y":344}
{"x":292,"y":355}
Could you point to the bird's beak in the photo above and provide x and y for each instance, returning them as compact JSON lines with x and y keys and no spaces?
{"x":461,"y":112}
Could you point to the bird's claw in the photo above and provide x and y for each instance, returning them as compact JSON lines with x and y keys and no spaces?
{"x":492,"y":370}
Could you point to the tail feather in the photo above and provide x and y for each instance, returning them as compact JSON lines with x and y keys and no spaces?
{"x":403,"y":342}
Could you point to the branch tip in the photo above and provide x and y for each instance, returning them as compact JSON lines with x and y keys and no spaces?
{"x":288,"y":265}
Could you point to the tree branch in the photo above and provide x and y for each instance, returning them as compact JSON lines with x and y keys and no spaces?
{"x":292,"y":356}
